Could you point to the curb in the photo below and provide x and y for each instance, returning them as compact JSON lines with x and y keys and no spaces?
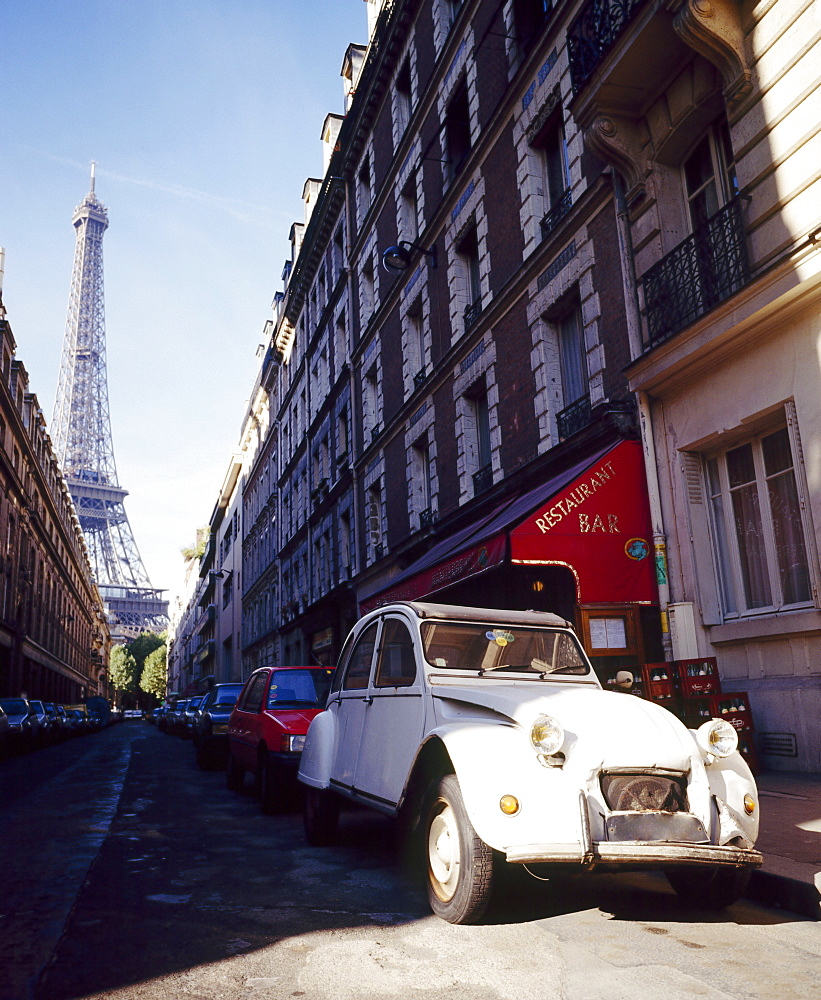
{"x":785,"y":893}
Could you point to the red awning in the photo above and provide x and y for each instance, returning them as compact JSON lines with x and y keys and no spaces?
{"x":592,"y":518}
{"x":599,"y":527}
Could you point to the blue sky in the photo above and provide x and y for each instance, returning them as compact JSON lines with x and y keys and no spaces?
{"x":204,"y":119}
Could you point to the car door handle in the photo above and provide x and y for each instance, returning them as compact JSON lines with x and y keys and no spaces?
{"x":368,"y":699}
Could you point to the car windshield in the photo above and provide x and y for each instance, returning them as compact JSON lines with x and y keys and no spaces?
{"x":226,"y":697}
{"x":299,"y":688}
{"x":486,"y":647}
{"x":14,"y":706}
{"x":194,"y":703}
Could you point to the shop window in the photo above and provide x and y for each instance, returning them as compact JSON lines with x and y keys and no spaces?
{"x":757,"y":529}
{"x":457,"y":131}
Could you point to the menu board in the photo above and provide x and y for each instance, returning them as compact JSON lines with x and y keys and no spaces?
{"x":608,"y":633}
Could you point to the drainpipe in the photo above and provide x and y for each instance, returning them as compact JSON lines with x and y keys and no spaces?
{"x":631,"y":303}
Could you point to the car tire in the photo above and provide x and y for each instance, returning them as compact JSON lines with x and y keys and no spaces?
{"x":320,"y":816}
{"x":234,"y":774}
{"x":271,"y":790}
{"x":711,"y":888}
{"x":458,"y":863}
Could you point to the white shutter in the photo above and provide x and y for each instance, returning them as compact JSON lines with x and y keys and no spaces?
{"x":701,"y":538}
{"x":803,"y":497}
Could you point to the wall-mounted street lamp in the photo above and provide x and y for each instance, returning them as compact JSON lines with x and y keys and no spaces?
{"x":398,"y":258}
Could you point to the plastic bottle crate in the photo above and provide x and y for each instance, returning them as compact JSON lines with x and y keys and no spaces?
{"x":659,"y":682}
{"x":734,"y":706}
{"x":698,"y":676}
{"x":746,"y":748}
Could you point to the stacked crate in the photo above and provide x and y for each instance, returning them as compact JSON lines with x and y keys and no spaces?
{"x":691,"y":689}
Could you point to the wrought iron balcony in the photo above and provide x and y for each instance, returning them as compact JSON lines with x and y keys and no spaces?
{"x":556,"y":214}
{"x":703,"y":270}
{"x":427,"y":517}
{"x":574,"y":417}
{"x":593,"y":33}
{"x":419,"y":377}
{"x":472,"y":313}
{"x":483,"y":479}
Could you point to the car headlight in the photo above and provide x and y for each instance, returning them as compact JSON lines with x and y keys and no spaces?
{"x":547,"y":735}
{"x":296,"y":743}
{"x":717,"y":737}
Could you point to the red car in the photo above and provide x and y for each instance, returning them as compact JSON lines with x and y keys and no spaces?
{"x":266,"y":731}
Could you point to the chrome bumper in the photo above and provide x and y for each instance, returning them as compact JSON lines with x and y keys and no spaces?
{"x":634,"y":855}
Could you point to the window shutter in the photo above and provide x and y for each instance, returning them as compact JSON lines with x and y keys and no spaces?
{"x":803,"y":497}
{"x":701,"y":538}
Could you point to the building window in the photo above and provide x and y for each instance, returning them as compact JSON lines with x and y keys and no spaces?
{"x":363,"y":189}
{"x":403,"y":100}
{"x":529,"y":17}
{"x":422,"y":481}
{"x":367,"y":292}
{"x":409,"y":211}
{"x":345,"y":547}
{"x":415,"y":346}
{"x":551,"y":146}
{"x":709,"y":175}
{"x":572,"y":356}
{"x":758,"y":534}
{"x":467,"y":252}
{"x":478,"y":441}
{"x":373,"y":522}
{"x":370,"y":405}
{"x":457,"y":131}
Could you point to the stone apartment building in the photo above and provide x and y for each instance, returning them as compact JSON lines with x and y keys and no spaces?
{"x":548,"y":338}
{"x":54,"y":638}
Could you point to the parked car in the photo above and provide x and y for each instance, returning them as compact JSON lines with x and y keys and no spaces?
{"x":266,"y":731}
{"x":174,"y":717}
{"x":493,"y":731}
{"x":23,"y":728}
{"x":5,"y":732}
{"x":78,"y":720}
{"x":211,"y":725}
{"x":46,"y":731}
{"x":186,"y":730}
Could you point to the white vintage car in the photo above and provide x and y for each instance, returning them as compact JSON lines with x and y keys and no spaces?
{"x":493,"y":730}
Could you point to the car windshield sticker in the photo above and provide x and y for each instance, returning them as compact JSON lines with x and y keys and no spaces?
{"x":500,"y":637}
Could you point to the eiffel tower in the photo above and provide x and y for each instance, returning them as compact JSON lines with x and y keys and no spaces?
{"x":81,"y":431}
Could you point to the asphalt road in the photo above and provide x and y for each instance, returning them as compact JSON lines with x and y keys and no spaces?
{"x":128,"y":873}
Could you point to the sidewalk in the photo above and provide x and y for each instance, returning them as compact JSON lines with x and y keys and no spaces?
{"x":790,"y":840}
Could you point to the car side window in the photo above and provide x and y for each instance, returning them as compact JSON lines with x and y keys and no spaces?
{"x":252,"y":699}
{"x":359,"y":665}
{"x":397,"y":661}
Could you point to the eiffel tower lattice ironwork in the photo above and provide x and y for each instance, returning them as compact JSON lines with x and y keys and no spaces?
{"x":81,"y":431}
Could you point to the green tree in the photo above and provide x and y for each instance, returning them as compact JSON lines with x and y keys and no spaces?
{"x":153,"y":679}
{"x":122,"y":669}
{"x":145,"y":643}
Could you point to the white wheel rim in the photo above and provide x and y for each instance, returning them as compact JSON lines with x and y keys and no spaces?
{"x":444,"y":856}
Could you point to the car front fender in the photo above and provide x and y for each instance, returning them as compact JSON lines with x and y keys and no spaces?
{"x":492,"y":760}
{"x":318,"y":755}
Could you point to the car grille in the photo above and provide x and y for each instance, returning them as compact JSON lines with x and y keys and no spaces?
{"x":644,"y":792}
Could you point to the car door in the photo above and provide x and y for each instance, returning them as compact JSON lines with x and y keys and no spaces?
{"x":349,"y":706}
{"x":243,"y":737}
{"x":394,"y":718}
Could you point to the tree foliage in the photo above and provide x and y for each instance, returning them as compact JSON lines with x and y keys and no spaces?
{"x":122,"y":669}
{"x":153,"y":678}
{"x":145,"y":643}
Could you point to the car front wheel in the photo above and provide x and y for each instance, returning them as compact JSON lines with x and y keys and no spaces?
{"x":710,"y":888}
{"x":459,"y":863}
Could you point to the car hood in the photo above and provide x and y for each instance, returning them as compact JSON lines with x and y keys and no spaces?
{"x":610,"y":727}
{"x":293,"y":720}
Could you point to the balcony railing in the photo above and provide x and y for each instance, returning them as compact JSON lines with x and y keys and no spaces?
{"x":556,"y":214}
{"x":427,"y":517}
{"x":703,"y":270}
{"x":419,"y":377}
{"x":573,"y":418}
{"x":472,"y":313}
{"x":483,"y":479}
{"x":593,"y":33}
